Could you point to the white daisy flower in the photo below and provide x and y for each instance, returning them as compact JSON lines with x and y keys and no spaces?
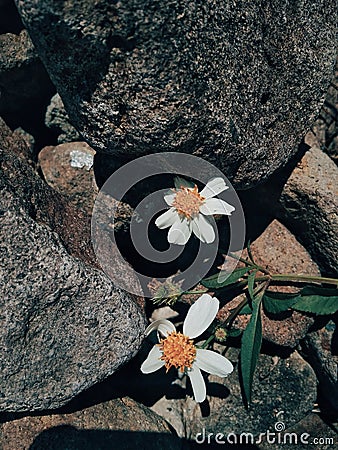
{"x":178,"y":350}
{"x":188,"y":211}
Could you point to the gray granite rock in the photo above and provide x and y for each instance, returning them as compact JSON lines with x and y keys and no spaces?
{"x":64,"y":326}
{"x":57,"y":120}
{"x":235,"y":83}
{"x":308,"y":205}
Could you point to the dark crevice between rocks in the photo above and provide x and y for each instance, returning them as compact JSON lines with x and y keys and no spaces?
{"x":10,"y":20}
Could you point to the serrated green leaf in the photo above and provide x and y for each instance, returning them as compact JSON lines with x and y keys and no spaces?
{"x":182,"y":182}
{"x":219,"y":280}
{"x":317,"y":300}
{"x":276,"y":304}
{"x":250,"y":348}
{"x":318,"y":290}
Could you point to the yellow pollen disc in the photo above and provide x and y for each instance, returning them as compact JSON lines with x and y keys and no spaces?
{"x":178,"y":351}
{"x":187,"y":202}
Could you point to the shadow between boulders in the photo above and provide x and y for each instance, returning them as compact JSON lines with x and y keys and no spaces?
{"x":67,"y":437}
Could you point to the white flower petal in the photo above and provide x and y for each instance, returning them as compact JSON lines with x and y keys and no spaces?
{"x":214,"y":187}
{"x":198,"y":384}
{"x":169,"y":199}
{"x":213,"y":363}
{"x":200,"y":315}
{"x":179,"y":232}
{"x":153,"y":361}
{"x":216,"y":206}
{"x":167,"y":219}
{"x":203,"y":229}
{"x":163,"y":326}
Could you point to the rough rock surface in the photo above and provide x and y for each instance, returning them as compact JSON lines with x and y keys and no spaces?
{"x":324,"y":132}
{"x":235,"y":83}
{"x":68,"y":168}
{"x":288,"y":385}
{"x":57,"y":120}
{"x":64,"y":326}
{"x":308,"y":204}
{"x":320,"y":349}
{"x":303,"y":196}
{"x":24,"y":82}
{"x":272,"y":250}
{"x":310,"y":428}
{"x":119,"y":424}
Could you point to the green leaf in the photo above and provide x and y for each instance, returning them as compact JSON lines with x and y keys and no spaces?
{"x":251,"y":284}
{"x":249,"y":252}
{"x":250,"y":348}
{"x":234,"y":332}
{"x":181,"y":182}
{"x":278,"y":302}
{"x":246,"y":309}
{"x":317,"y":300}
{"x":219,"y":280}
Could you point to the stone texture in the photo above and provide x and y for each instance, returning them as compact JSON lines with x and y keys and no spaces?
{"x":324,"y":131}
{"x":314,"y":427}
{"x":308,"y":205}
{"x":118,"y":424}
{"x":24,"y":83}
{"x":287,"y":385}
{"x":57,"y":120}
{"x":64,"y":326}
{"x":320,"y":349}
{"x":235,"y":83}
{"x":277,"y":250}
{"x":303,"y":196}
{"x":68,"y":168}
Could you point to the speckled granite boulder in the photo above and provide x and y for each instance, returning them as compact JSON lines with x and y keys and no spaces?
{"x":64,"y":325}
{"x":235,"y":83}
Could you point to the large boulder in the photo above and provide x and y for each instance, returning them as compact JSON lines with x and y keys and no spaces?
{"x":119,"y":424}
{"x":64,"y":325}
{"x":235,"y":83}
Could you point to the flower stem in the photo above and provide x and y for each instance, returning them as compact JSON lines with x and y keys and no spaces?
{"x":235,"y":312}
{"x":304,"y":278}
{"x":248,"y":263}
{"x":207,"y":342}
{"x":195,"y":292}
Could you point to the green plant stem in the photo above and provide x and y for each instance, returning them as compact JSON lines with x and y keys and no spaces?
{"x":235,"y":312}
{"x":195,"y":292}
{"x":207,"y":342}
{"x":303,"y":278}
{"x":248,"y":263}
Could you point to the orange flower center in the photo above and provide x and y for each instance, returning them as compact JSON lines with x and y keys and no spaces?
{"x":178,"y":351}
{"x":187,"y":202}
